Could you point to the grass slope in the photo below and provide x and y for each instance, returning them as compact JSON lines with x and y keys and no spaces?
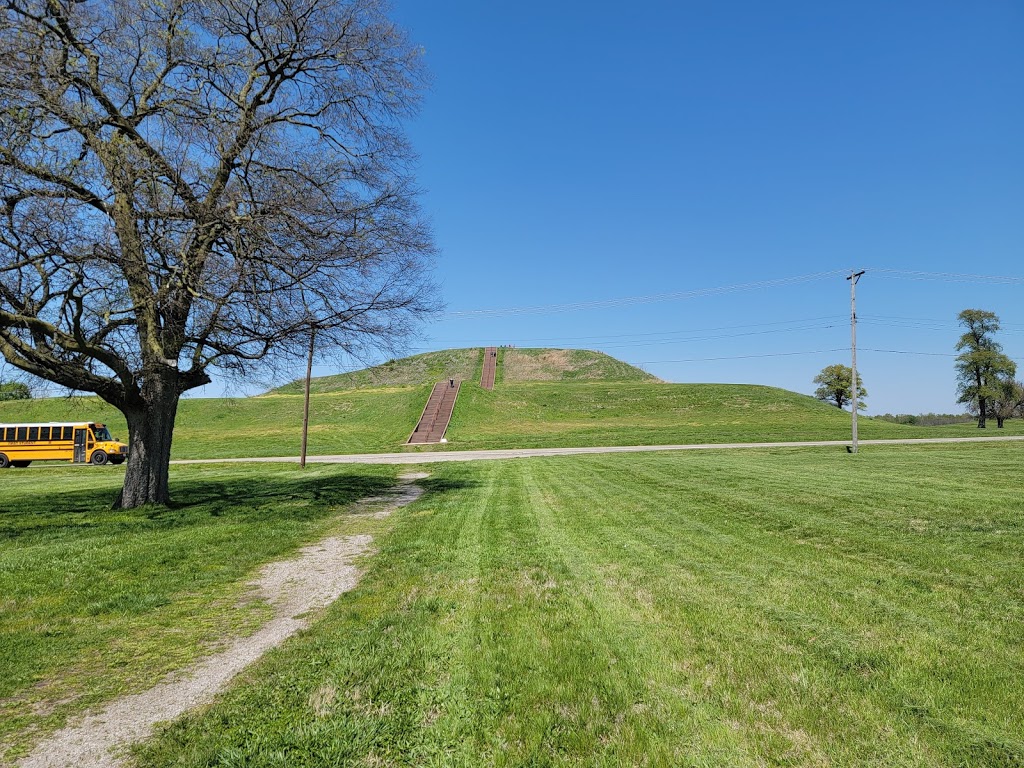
{"x":790,"y":608}
{"x":535,"y":415}
{"x":514,"y":365}
{"x":353,"y":421}
{"x":583,"y":414}
{"x":97,"y":603}
{"x":519,"y":365}
{"x":428,"y":368}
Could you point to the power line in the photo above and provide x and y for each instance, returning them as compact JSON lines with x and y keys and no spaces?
{"x":632,"y":300}
{"x":668,"y":341}
{"x":948,"y":277}
{"x":951,"y":277}
{"x":719,"y":336}
{"x":559,"y":339}
{"x":929,"y":323}
{"x":809,"y":352}
{"x":743,"y":357}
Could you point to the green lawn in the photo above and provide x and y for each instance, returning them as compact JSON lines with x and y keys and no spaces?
{"x":540,"y":415}
{"x":423,"y":370}
{"x":353,"y":421}
{"x":529,"y":365}
{"x":530,"y":415}
{"x":97,"y":602}
{"x":787,"y":607}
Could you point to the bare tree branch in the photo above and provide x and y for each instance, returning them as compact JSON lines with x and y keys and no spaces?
{"x":192,"y":185}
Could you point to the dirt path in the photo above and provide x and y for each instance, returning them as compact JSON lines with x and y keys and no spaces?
{"x":314,"y":578}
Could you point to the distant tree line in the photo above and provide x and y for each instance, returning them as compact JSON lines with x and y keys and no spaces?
{"x":926,"y":419}
{"x":15,"y":390}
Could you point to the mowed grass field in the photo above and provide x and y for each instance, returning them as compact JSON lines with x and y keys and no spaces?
{"x":540,"y":415}
{"x":522,"y":415}
{"x":354,"y":421}
{"x":96,"y":603}
{"x":787,"y":607}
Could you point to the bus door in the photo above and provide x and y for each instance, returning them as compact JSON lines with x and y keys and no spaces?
{"x":80,"y":435}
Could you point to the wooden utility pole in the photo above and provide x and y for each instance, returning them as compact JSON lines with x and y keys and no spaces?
{"x":853,"y":278}
{"x":305,"y":405}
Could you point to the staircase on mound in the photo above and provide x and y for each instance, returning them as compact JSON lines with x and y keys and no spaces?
{"x":436,"y":413}
{"x":490,"y":368}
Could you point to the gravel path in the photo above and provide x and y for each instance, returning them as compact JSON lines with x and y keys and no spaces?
{"x":313,"y":579}
{"x":522,"y":453}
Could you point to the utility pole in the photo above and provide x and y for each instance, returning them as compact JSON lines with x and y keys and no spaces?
{"x":853,"y":278}
{"x":305,"y":406}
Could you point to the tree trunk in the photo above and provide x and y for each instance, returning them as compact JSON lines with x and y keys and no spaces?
{"x":150,"y":430}
{"x":999,"y":422}
{"x":981,"y":412}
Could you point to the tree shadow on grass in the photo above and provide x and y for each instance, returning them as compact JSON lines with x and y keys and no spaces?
{"x":434,"y":486}
{"x":56,"y":512}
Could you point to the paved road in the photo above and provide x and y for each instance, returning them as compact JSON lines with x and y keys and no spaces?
{"x":525,"y":453}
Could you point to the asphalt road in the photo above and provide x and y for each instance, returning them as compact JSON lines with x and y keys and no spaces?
{"x":526,"y":453}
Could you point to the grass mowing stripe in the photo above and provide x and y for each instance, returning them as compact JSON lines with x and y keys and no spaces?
{"x":837,"y":620}
{"x":563,"y":668}
{"x":661,"y":716}
{"x":662,"y":609}
{"x":98,"y":603}
{"x":649,"y":577}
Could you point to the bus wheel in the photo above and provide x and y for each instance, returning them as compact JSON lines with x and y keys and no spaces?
{"x":4,"y":461}
{"x":20,"y":464}
{"x":99,"y":458}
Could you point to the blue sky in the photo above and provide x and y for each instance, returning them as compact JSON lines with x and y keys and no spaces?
{"x":577,"y":152}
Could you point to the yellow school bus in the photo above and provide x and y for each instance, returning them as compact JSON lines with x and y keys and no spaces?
{"x":78,"y":442}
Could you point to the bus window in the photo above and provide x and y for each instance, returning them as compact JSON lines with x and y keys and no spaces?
{"x":22,"y":433}
{"x":44,"y":433}
{"x":9,"y":437}
{"x":68,"y":432}
{"x":102,"y":433}
{"x":33,"y":434}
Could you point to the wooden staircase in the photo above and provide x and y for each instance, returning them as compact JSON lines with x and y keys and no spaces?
{"x":436,"y":413}
{"x":490,"y":368}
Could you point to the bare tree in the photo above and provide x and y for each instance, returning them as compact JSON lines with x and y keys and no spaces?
{"x":1008,"y":401}
{"x":191,"y":185}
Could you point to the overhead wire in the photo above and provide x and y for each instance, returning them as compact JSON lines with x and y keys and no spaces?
{"x":561,"y":339}
{"x":701,"y":292}
{"x":947,"y":277}
{"x":648,"y":299}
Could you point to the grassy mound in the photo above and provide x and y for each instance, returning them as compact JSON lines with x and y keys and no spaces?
{"x":541,"y":415}
{"x":353,"y":421}
{"x":521,"y":365}
{"x":514,"y":365}
{"x":525,"y":415}
{"x":428,"y":368}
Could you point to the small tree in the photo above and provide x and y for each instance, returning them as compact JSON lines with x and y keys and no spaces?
{"x":836,"y":386}
{"x":981,"y":366}
{"x":1008,"y":402}
{"x":15,"y":390}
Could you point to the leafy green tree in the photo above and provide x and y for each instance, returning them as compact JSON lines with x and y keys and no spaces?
{"x":981,"y":365}
{"x":15,"y":390}
{"x":836,"y":386}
